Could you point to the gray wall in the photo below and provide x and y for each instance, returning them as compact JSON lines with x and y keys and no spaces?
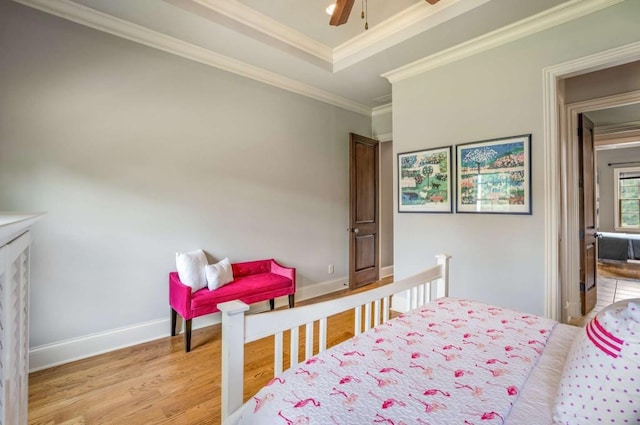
{"x":136,"y":154}
{"x":387,"y":204}
{"x":382,"y":124}
{"x":606,"y":82}
{"x":496,"y":258}
{"x":606,"y":181}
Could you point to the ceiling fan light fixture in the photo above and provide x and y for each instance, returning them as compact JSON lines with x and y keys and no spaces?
{"x":342,"y":8}
{"x":330,"y":9}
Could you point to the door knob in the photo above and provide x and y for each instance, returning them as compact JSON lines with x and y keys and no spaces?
{"x":356,"y":230}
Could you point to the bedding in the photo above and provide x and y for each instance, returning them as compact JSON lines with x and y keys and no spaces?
{"x":600,"y":382}
{"x":536,"y":400}
{"x":450,"y":361}
{"x":618,"y":246}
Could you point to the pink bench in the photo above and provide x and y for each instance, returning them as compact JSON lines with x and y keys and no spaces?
{"x":253,"y":281}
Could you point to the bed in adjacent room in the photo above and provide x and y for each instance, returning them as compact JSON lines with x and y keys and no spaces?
{"x":446,"y":361}
{"x":615,"y":246}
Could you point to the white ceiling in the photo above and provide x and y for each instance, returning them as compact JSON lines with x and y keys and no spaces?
{"x":291,"y":40}
{"x":307,"y":16}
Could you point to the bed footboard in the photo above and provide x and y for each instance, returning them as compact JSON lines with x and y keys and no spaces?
{"x":374,"y":305}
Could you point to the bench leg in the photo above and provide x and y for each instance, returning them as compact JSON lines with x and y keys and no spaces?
{"x":272,"y":304}
{"x":291,"y":300}
{"x":187,"y":336}
{"x":174,"y":319}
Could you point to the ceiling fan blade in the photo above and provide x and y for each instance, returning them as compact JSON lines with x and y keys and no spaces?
{"x":341,"y":12}
{"x":432,"y":1}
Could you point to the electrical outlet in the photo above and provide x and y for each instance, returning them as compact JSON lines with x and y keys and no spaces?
{"x":330,"y":268}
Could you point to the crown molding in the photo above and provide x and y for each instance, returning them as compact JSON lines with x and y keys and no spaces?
{"x":558,"y":15}
{"x":617,"y":128}
{"x":386,"y":137}
{"x":382,"y":110}
{"x":384,"y":99}
{"x":617,"y":135}
{"x":628,"y":139}
{"x":398,"y":28}
{"x":614,"y":100}
{"x":103,"y":22}
{"x":388,"y":33}
{"x":270,"y":27}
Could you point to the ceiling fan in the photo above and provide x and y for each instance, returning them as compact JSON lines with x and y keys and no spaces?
{"x":342,"y":11}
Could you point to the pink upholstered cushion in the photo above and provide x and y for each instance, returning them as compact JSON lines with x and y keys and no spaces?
{"x":251,"y":268}
{"x":270,"y":280}
{"x":244,"y":289}
{"x":179,"y":296}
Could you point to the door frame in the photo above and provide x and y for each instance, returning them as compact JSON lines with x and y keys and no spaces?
{"x":571,"y":292}
{"x":560,"y":165}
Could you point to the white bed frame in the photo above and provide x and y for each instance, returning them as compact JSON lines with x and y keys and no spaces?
{"x":239,"y":329}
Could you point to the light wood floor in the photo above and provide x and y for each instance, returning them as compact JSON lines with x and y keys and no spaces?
{"x":156,"y":382}
{"x":613,"y":285}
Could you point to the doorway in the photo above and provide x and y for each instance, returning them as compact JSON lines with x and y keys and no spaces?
{"x":572,"y":293}
{"x":383,"y":259}
{"x":617,"y":165}
{"x":560,"y":174}
{"x":364,"y":214}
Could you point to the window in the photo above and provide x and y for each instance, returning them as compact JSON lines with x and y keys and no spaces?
{"x":627,"y":202}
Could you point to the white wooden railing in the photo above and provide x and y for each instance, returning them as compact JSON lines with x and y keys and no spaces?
{"x":238,"y":329}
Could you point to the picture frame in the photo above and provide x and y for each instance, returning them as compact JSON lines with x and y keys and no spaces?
{"x":494,"y":176}
{"x":424,"y":181}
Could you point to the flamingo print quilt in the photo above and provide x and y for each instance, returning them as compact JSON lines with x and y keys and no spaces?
{"x":452,"y":361}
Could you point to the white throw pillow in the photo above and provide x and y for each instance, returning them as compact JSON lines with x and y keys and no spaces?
{"x":601,"y":378}
{"x":190,"y":267}
{"x":219,"y":274}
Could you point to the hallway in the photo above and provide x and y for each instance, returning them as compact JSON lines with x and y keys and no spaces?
{"x":613,"y":288}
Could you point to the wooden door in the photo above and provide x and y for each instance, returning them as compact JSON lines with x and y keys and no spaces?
{"x":587,"y":199}
{"x":363,"y":216}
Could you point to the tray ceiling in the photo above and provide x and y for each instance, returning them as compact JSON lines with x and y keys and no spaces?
{"x":289,"y":43}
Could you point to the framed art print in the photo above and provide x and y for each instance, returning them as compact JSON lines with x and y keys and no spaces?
{"x":424,"y":181}
{"x":494,"y":176}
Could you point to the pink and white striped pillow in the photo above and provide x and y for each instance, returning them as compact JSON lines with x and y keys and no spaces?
{"x":601,"y":378}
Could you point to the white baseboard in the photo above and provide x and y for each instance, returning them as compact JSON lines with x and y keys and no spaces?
{"x":573,"y":310}
{"x":386,"y":271}
{"x":322,"y":288}
{"x":57,"y":353}
{"x":69,"y":350}
{"x":400,"y":302}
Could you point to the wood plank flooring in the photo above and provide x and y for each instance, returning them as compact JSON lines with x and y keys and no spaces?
{"x":614,"y":284}
{"x":619,"y":269}
{"x":157,"y":382}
